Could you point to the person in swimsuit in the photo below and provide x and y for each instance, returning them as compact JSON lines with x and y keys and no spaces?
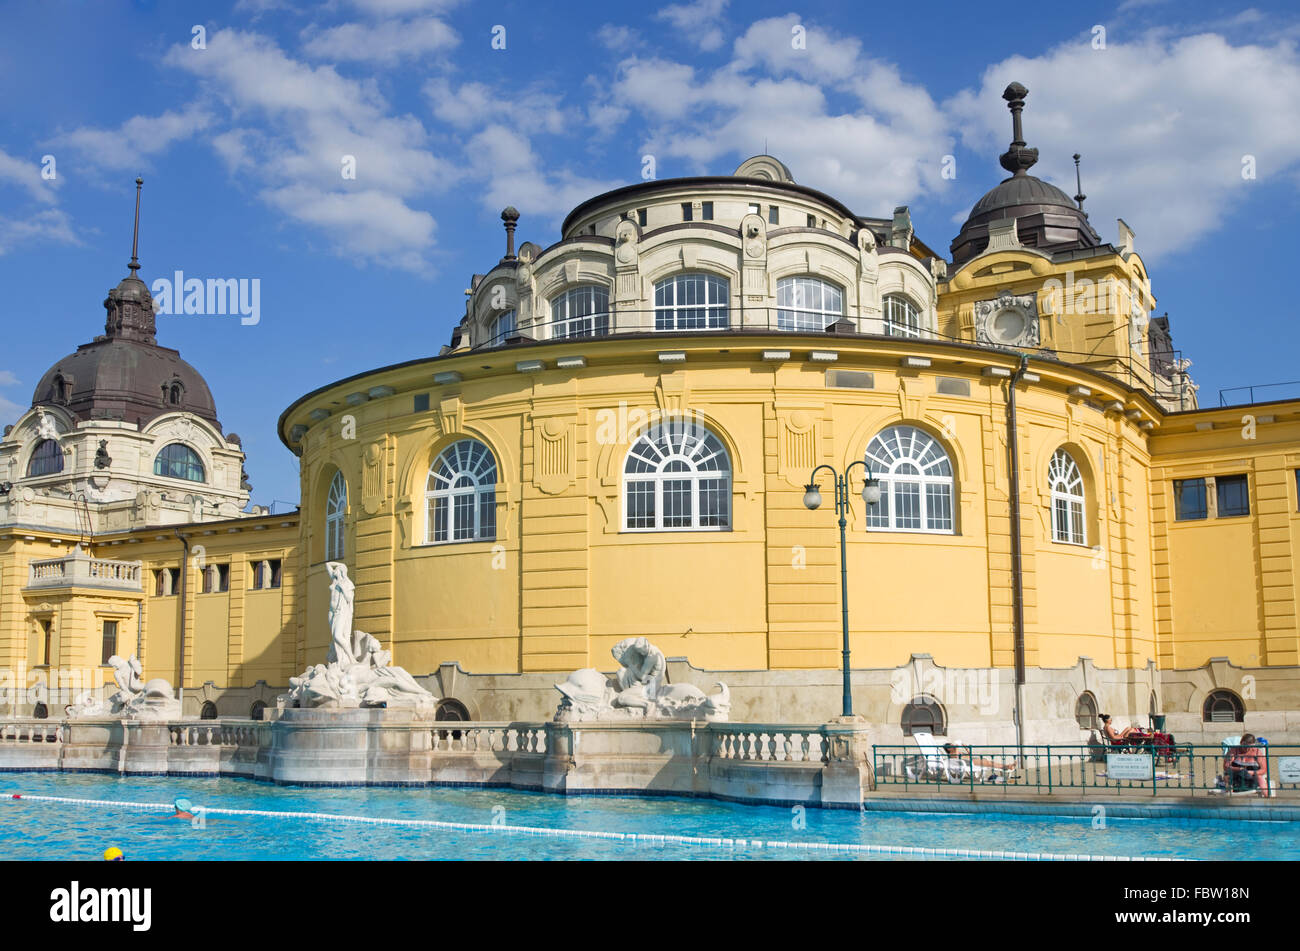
{"x":1245,"y":763}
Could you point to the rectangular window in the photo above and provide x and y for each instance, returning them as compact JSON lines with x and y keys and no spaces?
{"x":47,"y":632}
{"x":756,"y":209}
{"x":109,"y":646}
{"x":159,"y":583}
{"x":706,"y":211}
{"x":216,"y":578}
{"x":209,"y":579}
{"x":641,"y":217}
{"x":1189,"y":499}
{"x":773,"y":215}
{"x":812,"y":221}
{"x":421,"y":402}
{"x":640,"y":504}
{"x":259,"y":574}
{"x":275,"y":573}
{"x":1233,"y":495}
{"x":688,"y":213}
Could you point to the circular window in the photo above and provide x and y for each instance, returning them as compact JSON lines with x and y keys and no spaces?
{"x":1008,"y":325}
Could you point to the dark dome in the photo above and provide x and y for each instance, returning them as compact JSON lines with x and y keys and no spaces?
{"x":116,"y":378}
{"x":1046,"y":218}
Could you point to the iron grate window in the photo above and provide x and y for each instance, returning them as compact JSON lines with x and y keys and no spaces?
{"x":1223,"y":706}
{"x":924,"y":715}
{"x":1189,"y":499}
{"x":1232,"y":494}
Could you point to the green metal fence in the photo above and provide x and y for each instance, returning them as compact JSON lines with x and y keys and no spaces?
{"x":1181,"y":769}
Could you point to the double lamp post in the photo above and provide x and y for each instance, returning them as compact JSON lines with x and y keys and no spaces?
{"x":812,"y":499}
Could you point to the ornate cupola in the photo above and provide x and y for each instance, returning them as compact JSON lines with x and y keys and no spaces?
{"x":123,"y":374}
{"x":1045,"y":216}
{"x":130,"y":305}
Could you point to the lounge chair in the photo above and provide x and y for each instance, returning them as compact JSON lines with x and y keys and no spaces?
{"x":954,"y":769}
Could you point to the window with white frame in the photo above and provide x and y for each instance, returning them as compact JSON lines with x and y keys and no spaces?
{"x":902,"y":319}
{"x":501,"y":327}
{"x":336,"y":505}
{"x":580,"y":312}
{"x":461,"y":494}
{"x":677,"y":478}
{"x":1067,"y":499}
{"x":807,"y":303}
{"x":915,"y":482}
{"x":691,"y":302}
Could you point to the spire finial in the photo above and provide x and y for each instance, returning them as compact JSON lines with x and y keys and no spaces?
{"x":135,"y":237}
{"x":1017,"y":159}
{"x":511,"y":217}
{"x":1078,"y":183}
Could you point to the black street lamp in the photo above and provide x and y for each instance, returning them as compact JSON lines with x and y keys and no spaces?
{"x":812,"y":499}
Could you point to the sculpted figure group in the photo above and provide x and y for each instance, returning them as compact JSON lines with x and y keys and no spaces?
{"x":637,"y":691}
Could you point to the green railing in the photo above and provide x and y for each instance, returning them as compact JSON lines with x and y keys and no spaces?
{"x":1180,"y":769}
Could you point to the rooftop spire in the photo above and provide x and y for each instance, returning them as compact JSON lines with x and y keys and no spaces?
{"x":135,"y":237}
{"x":1078,"y":183}
{"x":1017,"y":159}
{"x":511,"y":217}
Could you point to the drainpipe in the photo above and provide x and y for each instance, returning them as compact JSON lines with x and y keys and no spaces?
{"x":185,"y":573}
{"x":1017,"y":576}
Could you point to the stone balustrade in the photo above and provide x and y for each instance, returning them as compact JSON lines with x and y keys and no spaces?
{"x":79,"y":569}
{"x":808,"y":764}
{"x":768,"y":743}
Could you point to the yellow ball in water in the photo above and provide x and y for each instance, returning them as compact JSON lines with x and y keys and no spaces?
{"x":113,"y":854}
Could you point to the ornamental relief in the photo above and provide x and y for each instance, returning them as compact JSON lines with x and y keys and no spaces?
{"x":1009,"y":320}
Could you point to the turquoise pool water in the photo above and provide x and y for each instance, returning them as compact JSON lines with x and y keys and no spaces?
{"x":33,"y":829}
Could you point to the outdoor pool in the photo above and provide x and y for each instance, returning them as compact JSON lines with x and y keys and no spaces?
{"x":36,"y":829}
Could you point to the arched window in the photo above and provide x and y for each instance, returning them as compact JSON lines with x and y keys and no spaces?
{"x":257,"y":710}
{"x":461,"y":494}
{"x":336,"y":506}
{"x":47,"y":458}
{"x":502,"y":326}
{"x":924,"y":715}
{"x":677,"y":478}
{"x":580,"y":312}
{"x":1067,"y":499}
{"x":178,"y":461}
{"x":208,"y":711}
{"x":915,"y":482}
{"x":902,"y":319}
{"x":691,"y":302}
{"x":450,"y":710}
{"x":1085,"y":711}
{"x":807,"y":303}
{"x":174,"y":394}
{"x":1223,"y":706}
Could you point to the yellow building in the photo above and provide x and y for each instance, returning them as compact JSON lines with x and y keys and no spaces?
{"x":619,"y":437}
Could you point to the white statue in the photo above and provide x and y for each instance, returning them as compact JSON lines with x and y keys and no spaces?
{"x":135,"y":699}
{"x":45,"y":427}
{"x":357,"y":672}
{"x":638,"y":691}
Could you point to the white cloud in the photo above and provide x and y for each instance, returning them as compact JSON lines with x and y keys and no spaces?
{"x":517,"y":176}
{"x":699,"y":22}
{"x":386,"y":42}
{"x":128,"y":146}
{"x":48,"y":225}
{"x":25,"y":174}
{"x":386,"y":8}
{"x":841,"y":120}
{"x":7,"y":378}
{"x":1163,"y":126}
{"x":617,"y":38}
{"x":293,"y":124}
{"x":475,"y":104}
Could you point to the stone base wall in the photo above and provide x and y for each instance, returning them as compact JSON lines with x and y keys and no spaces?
{"x":977,"y":703}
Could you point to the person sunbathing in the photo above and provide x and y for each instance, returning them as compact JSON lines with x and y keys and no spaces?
{"x":1114,"y":735}
{"x":964,"y":753}
{"x":1245,"y":763}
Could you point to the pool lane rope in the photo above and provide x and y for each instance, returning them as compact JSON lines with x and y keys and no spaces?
{"x":634,"y":837}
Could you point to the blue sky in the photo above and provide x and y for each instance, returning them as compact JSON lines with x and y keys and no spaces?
{"x":240,"y":144}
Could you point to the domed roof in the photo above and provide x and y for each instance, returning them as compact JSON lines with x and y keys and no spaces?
{"x":1046,"y":217}
{"x":116,"y":378}
{"x":124,"y":374}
